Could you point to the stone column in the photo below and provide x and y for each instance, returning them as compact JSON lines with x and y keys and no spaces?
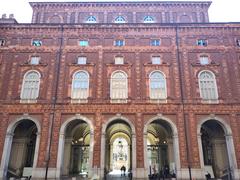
{"x":67,"y":150}
{"x":177,"y":154}
{"x":41,"y":17}
{"x":103,"y":142}
{"x":6,"y":155}
{"x":232,"y":157}
{"x":68,"y":17}
{"x":60,"y":154}
{"x":76,"y":17}
{"x":105,"y":17}
{"x":134,"y":17}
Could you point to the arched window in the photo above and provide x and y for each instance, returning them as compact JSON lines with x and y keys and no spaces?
{"x":80,"y":85}
{"x":148,"y":19}
{"x":207,"y":85}
{"x":120,"y":19}
{"x":91,"y":19}
{"x":30,"y":86}
{"x":158,"y":89}
{"x":204,"y":60}
{"x":119,"y":87}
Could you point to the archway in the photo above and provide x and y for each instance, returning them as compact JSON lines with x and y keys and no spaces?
{"x":75,"y":148}
{"x":216,"y":147}
{"x":20,"y":151}
{"x":118,"y":148}
{"x":161,"y":148}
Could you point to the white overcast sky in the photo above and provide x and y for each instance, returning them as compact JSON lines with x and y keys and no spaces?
{"x":220,"y":10}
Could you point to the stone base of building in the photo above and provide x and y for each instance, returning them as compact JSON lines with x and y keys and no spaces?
{"x":138,"y":174}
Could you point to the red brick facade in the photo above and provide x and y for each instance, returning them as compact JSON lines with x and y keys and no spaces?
{"x":178,"y":51}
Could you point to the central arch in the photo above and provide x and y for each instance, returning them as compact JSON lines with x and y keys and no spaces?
{"x":75,"y":138}
{"x":165,"y":135}
{"x":121,"y":129}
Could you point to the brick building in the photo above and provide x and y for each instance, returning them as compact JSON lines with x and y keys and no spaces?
{"x":87,"y":88}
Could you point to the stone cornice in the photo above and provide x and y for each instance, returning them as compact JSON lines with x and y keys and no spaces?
{"x":126,"y":27}
{"x":121,"y":3}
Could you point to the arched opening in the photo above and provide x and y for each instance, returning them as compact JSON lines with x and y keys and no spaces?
{"x":76,"y":156}
{"x":118,"y":149}
{"x":185,"y":19}
{"x":214,"y":150}
{"x":55,"y":19}
{"x":22,"y":149}
{"x":160,"y":150}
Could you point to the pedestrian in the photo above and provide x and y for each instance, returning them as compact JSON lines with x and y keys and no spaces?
{"x":124,"y":170}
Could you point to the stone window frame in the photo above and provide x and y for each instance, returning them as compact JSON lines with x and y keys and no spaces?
{"x":162,"y":90}
{"x":116,"y":58}
{"x":208,"y":87}
{"x":33,"y":88}
{"x":116,"y":95}
{"x":80,"y":94}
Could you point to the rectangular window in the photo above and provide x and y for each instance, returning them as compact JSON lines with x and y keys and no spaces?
{"x":204,"y":60}
{"x":2,"y":42}
{"x":155,"y":42}
{"x":36,"y":43}
{"x":34,"y":60}
{"x":238,"y":42}
{"x":156,"y":60}
{"x":83,"y":43}
{"x":119,"y":42}
{"x":202,"y":42}
{"x":119,"y":60}
{"x":82,"y":60}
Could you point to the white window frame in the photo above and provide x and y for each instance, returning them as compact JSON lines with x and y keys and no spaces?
{"x":119,"y":96}
{"x":156,"y":60}
{"x":119,"y":19}
{"x":207,"y":96}
{"x":35,"y":60}
{"x":91,"y":19}
{"x":162,"y":91}
{"x":118,"y":60}
{"x":204,"y":60}
{"x":30,"y":98}
{"x":81,"y":60}
{"x":82,"y":94}
{"x":148,"y":19}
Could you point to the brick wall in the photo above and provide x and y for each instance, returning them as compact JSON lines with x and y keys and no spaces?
{"x":222,"y":50}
